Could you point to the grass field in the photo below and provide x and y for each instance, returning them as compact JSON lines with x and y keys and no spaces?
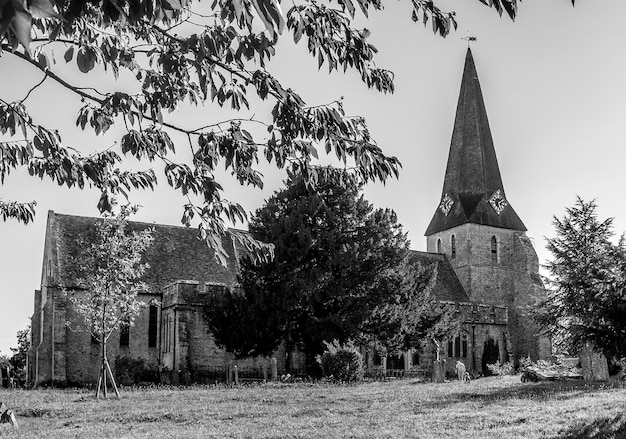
{"x":486,"y":408}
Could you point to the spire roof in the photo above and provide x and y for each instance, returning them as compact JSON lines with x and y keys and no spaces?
{"x":472,"y":189}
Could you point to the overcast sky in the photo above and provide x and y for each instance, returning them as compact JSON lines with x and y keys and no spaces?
{"x":554,"y":84}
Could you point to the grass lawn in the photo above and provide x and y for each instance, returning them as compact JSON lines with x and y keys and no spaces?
{"x":486,"y":408}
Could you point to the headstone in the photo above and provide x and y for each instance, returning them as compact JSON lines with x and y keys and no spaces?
{"x":439,"y":371}
{"x":594,"y":364}
{"x":570,"y":362}
{"x":7,"y":416}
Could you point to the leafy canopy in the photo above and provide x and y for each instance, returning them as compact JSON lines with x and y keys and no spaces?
{"x":587,"y":301}
{"x":341,"y":271}
{"x":158,"y":55}
{"x":111,"y":270}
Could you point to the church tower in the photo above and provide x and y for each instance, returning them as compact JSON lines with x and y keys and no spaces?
{"x":476,"y":226}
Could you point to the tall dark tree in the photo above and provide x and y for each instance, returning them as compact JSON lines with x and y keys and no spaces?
{"x":340,"y":272}
{"x":587,"y":301}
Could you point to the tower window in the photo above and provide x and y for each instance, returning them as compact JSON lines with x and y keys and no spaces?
{"x":453,"y":247}
{"x":439,"y":246}
{"x":494,"y":249}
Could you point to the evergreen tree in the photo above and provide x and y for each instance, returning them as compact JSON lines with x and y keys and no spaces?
{"x":341,"y":271}
{"x":587,"y":301}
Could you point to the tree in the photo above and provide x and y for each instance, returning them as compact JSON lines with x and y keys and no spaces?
{"x":18,"y":360}
{"x":414,"y":318}
{"x":159,"y":55}
{"x":340,"y":272}
{"x":587,"y":301}
{"x":112,"y":270}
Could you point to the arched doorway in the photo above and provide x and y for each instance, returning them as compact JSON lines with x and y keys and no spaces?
{"x":491,"y":355}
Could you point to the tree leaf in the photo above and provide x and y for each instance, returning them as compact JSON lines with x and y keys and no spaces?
{"x":42,"y":60}
{"x":69,"y":54}
{"x":42,"y":9}
{"x":85,"y":59}
{"x":21,"y":26}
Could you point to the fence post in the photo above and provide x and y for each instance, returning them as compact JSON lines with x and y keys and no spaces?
{"x":264,"y":366}
{"x":274,"y":369}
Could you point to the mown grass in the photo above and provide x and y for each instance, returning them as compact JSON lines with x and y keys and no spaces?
{"x":486,"y":408}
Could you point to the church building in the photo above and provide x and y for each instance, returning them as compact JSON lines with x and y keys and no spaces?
{"x":483,"y":265}
{"x":478,"y":230}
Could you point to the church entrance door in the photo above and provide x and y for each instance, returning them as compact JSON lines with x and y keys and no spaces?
{"x":491,"y":355}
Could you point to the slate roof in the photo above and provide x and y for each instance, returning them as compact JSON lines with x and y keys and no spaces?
{"x":176,"y":254}
{"x":472,"y":173}
{"x":447,"y":286}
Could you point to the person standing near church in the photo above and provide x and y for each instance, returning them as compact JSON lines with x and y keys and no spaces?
{"x":460,"y":370}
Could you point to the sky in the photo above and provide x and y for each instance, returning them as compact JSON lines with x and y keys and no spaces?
{"x":554,"y":85}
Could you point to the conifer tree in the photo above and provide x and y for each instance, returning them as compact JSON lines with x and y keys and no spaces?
{"x":587,"y":298}
{"x":341,"y":272}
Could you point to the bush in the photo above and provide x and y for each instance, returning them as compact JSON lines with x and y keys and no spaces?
{"x":342,"y":363}
{"x":129,"y":371}
{"x":500,"y":370}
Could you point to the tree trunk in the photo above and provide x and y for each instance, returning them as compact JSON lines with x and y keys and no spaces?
{"x":105,"y":369}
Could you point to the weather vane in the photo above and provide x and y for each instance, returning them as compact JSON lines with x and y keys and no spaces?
{"x":469,"y":38}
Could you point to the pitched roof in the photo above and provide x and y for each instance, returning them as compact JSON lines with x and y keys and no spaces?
{"x":176,"y":254}
{"x":472,"y":173}
{"x":447,"y":286}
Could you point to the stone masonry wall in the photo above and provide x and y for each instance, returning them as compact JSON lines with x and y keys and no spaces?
{"x":188,"y":351}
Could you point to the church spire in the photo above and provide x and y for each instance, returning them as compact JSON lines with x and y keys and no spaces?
{"x":472,"y":190}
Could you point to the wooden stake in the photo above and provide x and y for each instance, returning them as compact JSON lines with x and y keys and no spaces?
{"x":117,"y":392}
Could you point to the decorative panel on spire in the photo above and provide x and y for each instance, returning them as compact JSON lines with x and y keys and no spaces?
{"x":472,"y":188}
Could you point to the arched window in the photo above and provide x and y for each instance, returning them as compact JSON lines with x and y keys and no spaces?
{"x":153,"y":325}
{"x":125,"y":334}
{"x":458,"y":346}
{"x":415,"y":359}
{"x":453,"y":247}
{"x":464,"y":345}
{"x":494,"y":249}
{"x":439,"y":246}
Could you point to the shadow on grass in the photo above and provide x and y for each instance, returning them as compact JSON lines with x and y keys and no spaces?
{"x":603,"y":428}
{"x":552,"y":390}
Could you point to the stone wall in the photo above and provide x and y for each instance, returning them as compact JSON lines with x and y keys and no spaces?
{"x":188,"y":351}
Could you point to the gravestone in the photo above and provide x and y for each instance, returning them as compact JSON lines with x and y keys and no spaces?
{"x":439,"y":373}
{"x":7,"y":416}
{"x":593,"y":364}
